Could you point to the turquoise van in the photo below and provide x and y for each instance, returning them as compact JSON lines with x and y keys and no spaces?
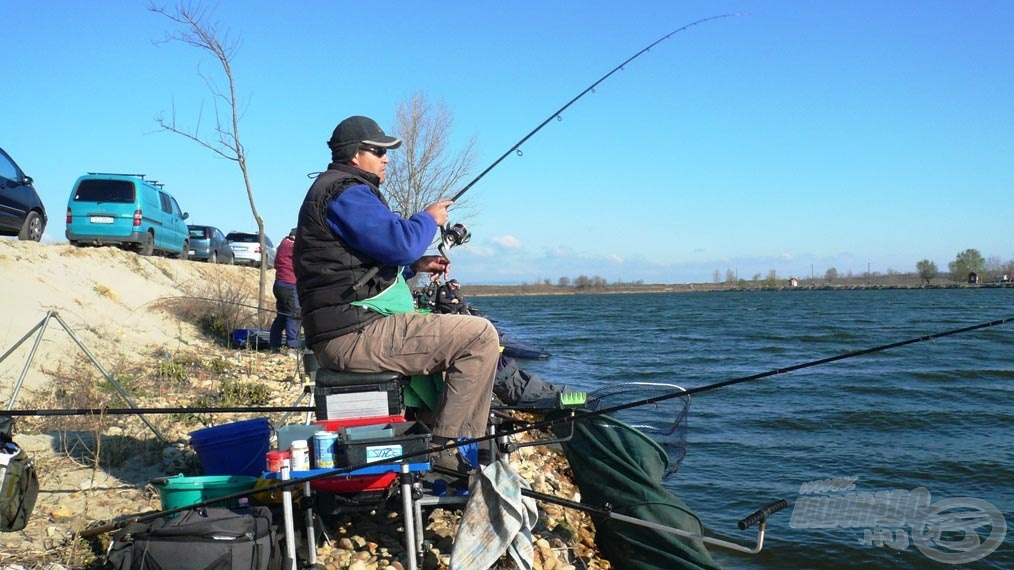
{"x":127,"y":211}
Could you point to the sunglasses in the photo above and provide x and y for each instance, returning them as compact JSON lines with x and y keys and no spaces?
{"x":375,"y":150}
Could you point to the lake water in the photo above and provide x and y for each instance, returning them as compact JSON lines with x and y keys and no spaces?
{"x":937,"y":415}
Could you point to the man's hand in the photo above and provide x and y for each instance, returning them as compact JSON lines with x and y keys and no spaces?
{"x":439,"y":211}
{"x":436,"y":265}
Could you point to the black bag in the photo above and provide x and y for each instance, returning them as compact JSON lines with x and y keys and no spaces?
{"x":200,"y":539}
{"x":19,"y":483}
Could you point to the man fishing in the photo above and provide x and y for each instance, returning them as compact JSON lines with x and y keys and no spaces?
{"x":450,"y":301}
{"x":352,"y":256}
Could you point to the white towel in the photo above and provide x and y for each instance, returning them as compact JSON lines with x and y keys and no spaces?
{"x":497,"y":518}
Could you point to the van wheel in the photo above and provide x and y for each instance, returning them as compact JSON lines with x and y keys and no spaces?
{"x":185,"y":252}
{"x":213,"y":258}
{"x":32,"y":228}
{"x":148,"y":245}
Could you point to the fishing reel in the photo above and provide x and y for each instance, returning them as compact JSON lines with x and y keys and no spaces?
{"x":452,"y":235}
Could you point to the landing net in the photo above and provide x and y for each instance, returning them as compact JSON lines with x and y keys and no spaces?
{"x":665,"y":422}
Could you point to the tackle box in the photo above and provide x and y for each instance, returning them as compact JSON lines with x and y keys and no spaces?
{"x":408,"y":437}
{"x":357,"y":401}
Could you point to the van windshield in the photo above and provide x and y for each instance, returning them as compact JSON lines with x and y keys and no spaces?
{"x":93,"y":190}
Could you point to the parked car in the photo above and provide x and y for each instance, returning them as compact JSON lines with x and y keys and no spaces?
{"x":247,"y":248}
{"x":21,"y":211}
{"x":128,"y":211}
{"x":208,"y":243}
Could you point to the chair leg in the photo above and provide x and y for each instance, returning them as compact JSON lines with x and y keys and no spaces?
{"x":408,"y":521}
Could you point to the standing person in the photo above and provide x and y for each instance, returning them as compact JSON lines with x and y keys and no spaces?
{"x":286,"y":300}
{"x":352,"y":256}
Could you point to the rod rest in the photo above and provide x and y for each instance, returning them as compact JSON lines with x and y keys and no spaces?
{"x":332,"y":378}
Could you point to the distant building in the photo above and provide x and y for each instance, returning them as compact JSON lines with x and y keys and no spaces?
{"x":973,"y":278}
{"x":793,"y":282}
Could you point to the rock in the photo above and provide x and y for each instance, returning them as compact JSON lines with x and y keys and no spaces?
{"x":61,"y":513}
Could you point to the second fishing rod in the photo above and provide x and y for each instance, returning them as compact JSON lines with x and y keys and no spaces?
{"x":570,"y":418}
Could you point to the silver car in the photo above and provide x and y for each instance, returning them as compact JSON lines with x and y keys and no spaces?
{"x":247,"y":249}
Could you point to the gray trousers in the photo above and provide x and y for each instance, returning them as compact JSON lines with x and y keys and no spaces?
{"x":464,"y":347}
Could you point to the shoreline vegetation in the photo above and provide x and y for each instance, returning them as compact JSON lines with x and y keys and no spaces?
{"x":631,"y":288}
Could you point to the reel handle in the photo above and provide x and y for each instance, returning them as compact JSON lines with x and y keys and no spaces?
{"x":762,"y":514}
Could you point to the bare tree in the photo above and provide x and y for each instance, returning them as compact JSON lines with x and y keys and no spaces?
{"x":224,"y":140}
{"x":425,"y":170}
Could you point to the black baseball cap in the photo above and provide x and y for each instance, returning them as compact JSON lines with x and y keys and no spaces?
{"x":357,"y":130}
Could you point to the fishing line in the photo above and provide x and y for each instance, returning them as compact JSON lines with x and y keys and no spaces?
{"x":219,"y":301}
{"x":556,"y":114}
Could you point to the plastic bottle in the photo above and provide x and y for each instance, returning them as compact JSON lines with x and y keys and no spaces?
{"x":323,"y":449}
{"x":300,"y":452}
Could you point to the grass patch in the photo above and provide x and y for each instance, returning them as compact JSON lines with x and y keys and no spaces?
{"x":230,"y":394}
{"x":217,"y":305}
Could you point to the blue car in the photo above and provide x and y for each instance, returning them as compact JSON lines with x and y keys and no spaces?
{"x":208,"y":243}
{"x":128,"y":211}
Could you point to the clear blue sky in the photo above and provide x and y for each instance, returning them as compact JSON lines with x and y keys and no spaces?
{"x":803,"y":136}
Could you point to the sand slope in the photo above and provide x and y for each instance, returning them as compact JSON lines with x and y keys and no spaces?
{"x":108,"y":297}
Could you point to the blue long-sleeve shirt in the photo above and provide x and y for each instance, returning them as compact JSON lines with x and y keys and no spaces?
{"x":368,"y":226}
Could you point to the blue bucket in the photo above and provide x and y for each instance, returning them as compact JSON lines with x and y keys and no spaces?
{"x":238,"y":448}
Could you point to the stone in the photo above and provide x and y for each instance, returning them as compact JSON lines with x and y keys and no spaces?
{"x":61,"y":513}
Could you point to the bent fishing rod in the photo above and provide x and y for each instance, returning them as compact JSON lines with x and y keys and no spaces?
{"x":456,"y":234}
{"x":557,"y":114}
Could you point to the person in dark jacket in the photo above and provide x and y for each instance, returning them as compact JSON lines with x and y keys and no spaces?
{"x":450,"y":301}
{"x":286,"y":300}
{"x":352,"y":257}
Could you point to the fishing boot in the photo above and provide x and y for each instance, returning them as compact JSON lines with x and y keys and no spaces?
{"x":450,"y":461}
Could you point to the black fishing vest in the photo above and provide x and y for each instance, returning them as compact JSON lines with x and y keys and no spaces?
{"x":326,"y":267}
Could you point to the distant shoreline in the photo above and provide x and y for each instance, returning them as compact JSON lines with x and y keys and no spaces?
{"x":531,"y":290}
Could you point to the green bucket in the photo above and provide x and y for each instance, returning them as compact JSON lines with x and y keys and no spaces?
{"x":179,"y":491}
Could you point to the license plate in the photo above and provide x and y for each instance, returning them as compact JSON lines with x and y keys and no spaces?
{"x":102,"y":220}
{"x":192,"y":252}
